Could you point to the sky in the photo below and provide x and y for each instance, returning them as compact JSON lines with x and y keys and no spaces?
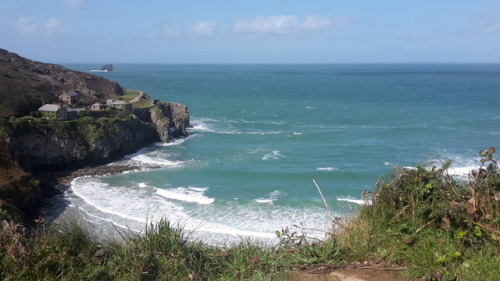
{"x":258,"y":31}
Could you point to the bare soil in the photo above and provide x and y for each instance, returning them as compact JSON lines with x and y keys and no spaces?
{"x":349,"y":273}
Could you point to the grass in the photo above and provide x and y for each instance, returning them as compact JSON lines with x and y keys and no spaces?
{"x":143,"y":103}
{"x":437,"y":226}
{"x":129,"y":95}
{"x":422,"y":220}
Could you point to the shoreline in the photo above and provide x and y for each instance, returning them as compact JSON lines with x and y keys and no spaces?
{"x":54,"y":183}
{"x":65,"y":177}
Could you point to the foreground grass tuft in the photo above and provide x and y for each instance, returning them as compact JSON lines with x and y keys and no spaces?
{"x":437,"y":226}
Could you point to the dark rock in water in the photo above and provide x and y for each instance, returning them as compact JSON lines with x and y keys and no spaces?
{"x":107,"y":67}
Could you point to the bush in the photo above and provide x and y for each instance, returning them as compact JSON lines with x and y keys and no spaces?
{"x":429,"y":220}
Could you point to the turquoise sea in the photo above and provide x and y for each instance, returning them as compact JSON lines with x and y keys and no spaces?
{"x":262,"y":133}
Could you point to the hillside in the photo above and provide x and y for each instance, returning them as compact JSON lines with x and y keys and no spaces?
{"x":25,"y":85}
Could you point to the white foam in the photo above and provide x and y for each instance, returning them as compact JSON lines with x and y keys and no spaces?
{"x":187,"y":194}
{"x":156,"y":161}
{"x":173,"y":142}
{"x":355,"y":200}
{"x":460,"y":167}
{"x":274,"y":155}
{"x":326,"y":169}
{"x":273,"y":196}
{"x":121,"y":202}
{"x":202,"y":124}
{"x":210,"y":126}
{"x":126,"y":204}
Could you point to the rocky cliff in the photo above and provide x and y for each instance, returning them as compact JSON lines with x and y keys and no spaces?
{"x":19,"y":192}
{"x":35,"y":144}
{"x":170,"y":119}
{"x":56,"y":145}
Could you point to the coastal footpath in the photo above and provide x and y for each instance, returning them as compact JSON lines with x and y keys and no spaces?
{"x":53,"y":119}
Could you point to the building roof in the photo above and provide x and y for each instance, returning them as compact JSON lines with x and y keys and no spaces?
{"x":49,"y":107}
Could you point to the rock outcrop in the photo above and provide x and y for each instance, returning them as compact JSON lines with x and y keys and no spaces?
{"x":56,"y":145}
{"x":171,"y":120}
{"x":107,"y":67}
{"x":19,"y":192}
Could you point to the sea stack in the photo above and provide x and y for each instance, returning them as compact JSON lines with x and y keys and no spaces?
{"x":107,"y":67}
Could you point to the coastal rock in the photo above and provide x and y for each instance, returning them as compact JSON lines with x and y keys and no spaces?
{"x":18,"y":191}
{"x":171,"y":120}
{"x":55,"y":145}
{"x":107,"y":67}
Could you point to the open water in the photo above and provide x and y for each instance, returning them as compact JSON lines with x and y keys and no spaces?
{"x":262,"y":133}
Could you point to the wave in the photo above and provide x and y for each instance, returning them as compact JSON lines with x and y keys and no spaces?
{"x":157,"y":161}
{"x":273,"y":196}
{"x":460,"y":167}
{"x":187,"y":194}
{"x":107,"y":199}
{"x":326,"y":169}
{"x":274,"y":155}
{"x":153,"y":157}
{"x":131,"y":205}
{"x":173,"y":142}
{"x":355,"y":200}
{"x":99,"y":70}
{"x":219,"y":127}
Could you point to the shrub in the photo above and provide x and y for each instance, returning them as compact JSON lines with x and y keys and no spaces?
{"x":429,"y":220}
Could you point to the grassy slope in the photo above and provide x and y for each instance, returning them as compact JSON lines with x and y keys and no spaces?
{"x":423,"y":220}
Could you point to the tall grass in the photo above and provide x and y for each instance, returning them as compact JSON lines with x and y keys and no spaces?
{"x":437,"y":226}
{"x":422,"y":220}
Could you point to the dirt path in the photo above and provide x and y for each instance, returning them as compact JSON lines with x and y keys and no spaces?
{"x":141,"y":94}
{"x":352,"y":275}
{"x":353,"y":272}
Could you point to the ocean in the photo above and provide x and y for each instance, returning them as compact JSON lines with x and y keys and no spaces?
{"x":262,"y":133}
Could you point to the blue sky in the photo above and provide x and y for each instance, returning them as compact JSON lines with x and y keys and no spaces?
{"x":258,"y":31}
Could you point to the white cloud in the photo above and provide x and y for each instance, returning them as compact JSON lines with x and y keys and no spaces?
{"x":203,"y":28}
{"x":281,"y":25}
{"x":50,"y":26}
{"x":74,"y":4}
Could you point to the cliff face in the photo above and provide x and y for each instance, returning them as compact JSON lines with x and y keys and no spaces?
{"x":170,"y":119}
{"x":55,"y":145}
{"x":18,"y":191}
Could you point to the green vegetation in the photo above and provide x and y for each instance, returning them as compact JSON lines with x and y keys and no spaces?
{"x":142,"y":103}
{"x":423,"y":220}
{"x":437,"y":226}
{"x":128,"y":95}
